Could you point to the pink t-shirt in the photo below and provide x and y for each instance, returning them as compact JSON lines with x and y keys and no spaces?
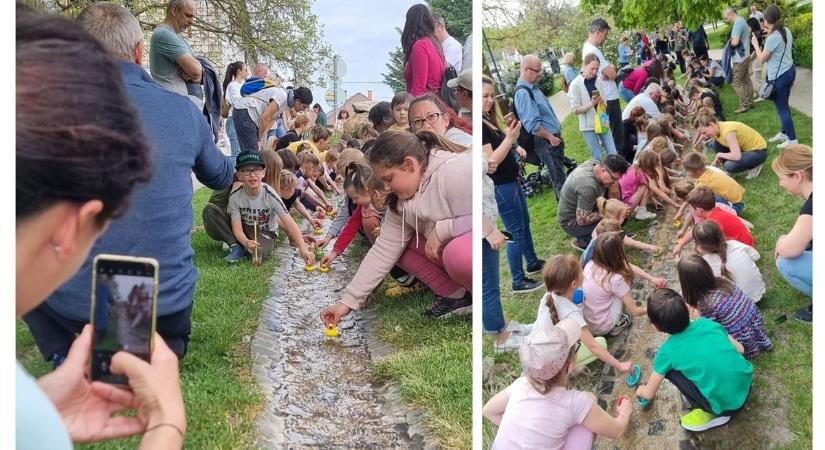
{"x":425,"y":68}
{"x":602,"y":298}
{"x":535,"y":421}
{"x":630,"y":182}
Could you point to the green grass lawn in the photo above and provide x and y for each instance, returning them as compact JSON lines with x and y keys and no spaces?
{"x":785,"y":372}
{"x":431,"y":364}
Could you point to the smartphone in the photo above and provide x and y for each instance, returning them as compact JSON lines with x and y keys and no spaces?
{"x":508,"y":237}
{"x":124,"y":308}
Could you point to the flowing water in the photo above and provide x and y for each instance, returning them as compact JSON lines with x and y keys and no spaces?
{"x":319,"y":390}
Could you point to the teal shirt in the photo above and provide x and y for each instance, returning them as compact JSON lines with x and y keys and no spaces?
{"x":777,"y":64}
{"x":37,"y":423}
{"x":165,"y":47}
{"x":703,"y":353}
{"x":741,"y":29}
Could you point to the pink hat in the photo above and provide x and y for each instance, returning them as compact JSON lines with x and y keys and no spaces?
{"x":546,"y":349}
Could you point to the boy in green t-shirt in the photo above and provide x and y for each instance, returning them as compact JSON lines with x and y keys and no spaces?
{"x":701,"y":360}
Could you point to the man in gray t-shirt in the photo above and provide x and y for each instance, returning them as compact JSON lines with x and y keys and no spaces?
{"x":172,"y":62}
{"x":577,"y":212}
{"x":741,"y":65}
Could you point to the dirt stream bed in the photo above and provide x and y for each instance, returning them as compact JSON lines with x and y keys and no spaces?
{"x":319,"y":391}
{"x":657,"y":426}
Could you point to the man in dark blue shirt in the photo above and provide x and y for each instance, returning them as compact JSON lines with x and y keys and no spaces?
{"x":159,"y":219}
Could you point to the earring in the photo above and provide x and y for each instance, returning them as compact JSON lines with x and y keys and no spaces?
{"x":56,"y":248}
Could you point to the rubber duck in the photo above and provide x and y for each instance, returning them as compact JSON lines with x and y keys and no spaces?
{"x":324,"y":268}
{"x":677,"y":223}
{"x":318,"y":231}
{"x":309,"y":268}
{"x":331,"y":331}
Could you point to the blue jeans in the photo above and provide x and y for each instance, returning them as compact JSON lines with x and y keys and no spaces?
{"x":552,"y":157}
{"x":512,"y":207}
{"x":625,"y":93}
{"x":492,"y":315}
{"x":596,"y":141}
{"x":748,"y":161}
{"x":798,"y":272}
{"x":234,"y":144}
{"x":782,"y":90}
{"x":738,"y":207}
{"x":280,"y":130}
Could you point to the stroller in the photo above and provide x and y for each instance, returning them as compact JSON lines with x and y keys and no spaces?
{"x":533,"y":184}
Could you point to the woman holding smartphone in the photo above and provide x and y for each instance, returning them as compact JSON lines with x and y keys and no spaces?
{"x":76,"y":168}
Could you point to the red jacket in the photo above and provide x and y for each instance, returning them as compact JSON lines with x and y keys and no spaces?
{"x":424,"y":69}
{"x":635,"y":80}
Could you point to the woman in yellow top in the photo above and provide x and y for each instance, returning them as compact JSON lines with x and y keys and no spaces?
{"x":739,"y":146}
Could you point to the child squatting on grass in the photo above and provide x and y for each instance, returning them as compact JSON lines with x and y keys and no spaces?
{"x":538,"y":410}
{"x":701,"y":359}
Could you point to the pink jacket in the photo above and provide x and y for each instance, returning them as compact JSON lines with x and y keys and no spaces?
{"x":425,"y":68}
{"x":441,"y":204}
{"x":635,"y":80}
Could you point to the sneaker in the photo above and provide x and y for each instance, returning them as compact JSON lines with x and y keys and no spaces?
{"x":519,"y":328}
{"x":624,"y":322}
{"x":444,"y":307}
{"x":778,"y":137}
{"x":532,"y":270}
{"x":805,"y":315}
{"x":787,"y":143}
{"x":758,"y":99}
{"x":526,"y":285}
{"x":407,"y":280}
{"x":397,"y":289}
{"x":700,"y":420}
{"x":236,"y":253}
{"x":580,"y":246}
{"x":513,"y":342}
{"x":753,"y":173}
{"x":643,"y":214}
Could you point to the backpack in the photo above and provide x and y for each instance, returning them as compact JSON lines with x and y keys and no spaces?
{"x":623,"y":73}
{"x":446,"y":93}
{"x":525,"y":138}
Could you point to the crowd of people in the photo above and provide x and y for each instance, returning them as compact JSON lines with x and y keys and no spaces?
{"x":126,"y":189}
{"x":646,"y":157}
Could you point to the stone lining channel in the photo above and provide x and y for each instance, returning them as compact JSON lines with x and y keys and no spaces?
{"x":319,"y":391}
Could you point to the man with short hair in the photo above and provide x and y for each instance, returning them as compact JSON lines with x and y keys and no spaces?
{"x":158,"y":222}
{"x":539,"y":119}
{"x":740,"y":59}
{"x":596,"y":35}
{"x":756,"y":13}
{"x":172,"y":62}
{"x":463,"y":86}
{"x":648,"y":99}
{"x":577,"y":213}
{"x":451,"y":47}
{"x":381,"y":117}
{"x":255,"y":113}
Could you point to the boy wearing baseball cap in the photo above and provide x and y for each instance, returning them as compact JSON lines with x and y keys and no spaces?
{"x":538,"y":411}
{"x":256,"y":210}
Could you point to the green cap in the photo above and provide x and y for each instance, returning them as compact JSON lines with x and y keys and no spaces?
{"x":246,"y":158}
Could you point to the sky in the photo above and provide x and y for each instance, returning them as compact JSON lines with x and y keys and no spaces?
{"x":363,"y":33}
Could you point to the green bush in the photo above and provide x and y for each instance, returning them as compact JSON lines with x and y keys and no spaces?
{"x":509,"y":77}
{"x":801,"y":27}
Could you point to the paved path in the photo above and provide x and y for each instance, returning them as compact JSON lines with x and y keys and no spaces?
{"x":802,"y":92}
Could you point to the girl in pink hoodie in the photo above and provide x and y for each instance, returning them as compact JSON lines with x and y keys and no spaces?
{"x":428,"y":224}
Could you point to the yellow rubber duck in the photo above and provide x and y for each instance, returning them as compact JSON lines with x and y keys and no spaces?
{"x":309,"y":268}
{"x":319,"y":231}
{"x":324,"y":268}
{"x":677,"y":223}
{"x":331,"y":331}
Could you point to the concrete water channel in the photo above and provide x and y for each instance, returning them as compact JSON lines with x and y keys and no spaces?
{"x":319,"y":390}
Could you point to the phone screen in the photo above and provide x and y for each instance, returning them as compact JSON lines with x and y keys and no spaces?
{"x":124,"y":306}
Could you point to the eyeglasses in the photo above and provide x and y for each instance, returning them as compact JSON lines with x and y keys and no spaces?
{"x":431,"y":118}
{"x":249,"y":172}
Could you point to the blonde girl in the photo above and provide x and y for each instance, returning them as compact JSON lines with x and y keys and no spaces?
{"x":287,"y":190}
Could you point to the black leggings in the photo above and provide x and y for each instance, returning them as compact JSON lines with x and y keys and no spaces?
{"x":694,"y":395}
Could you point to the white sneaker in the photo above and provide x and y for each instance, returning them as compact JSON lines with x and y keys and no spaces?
{"x":519,"y":328}
{"x":643,"y":214}
{"x":779,"y":137}
{"x":787,"y":143}
{"x":513,"y":342}
{"x":753,"y":173}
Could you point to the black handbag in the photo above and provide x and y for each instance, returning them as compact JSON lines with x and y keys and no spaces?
{"x":768,"y":88}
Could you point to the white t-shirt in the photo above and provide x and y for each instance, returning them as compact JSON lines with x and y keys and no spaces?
{"x":602,"y":298}
{"x":740,"y":263}
{"x":609,"y":90}
{"x":458,"y":136}
{"x":452,"y":52}
{"x":232,"y":94}
{"x":535,"y":421}
{"x":257,"y":103}
{"x":643,"y":100}
{"x":565,"y":308}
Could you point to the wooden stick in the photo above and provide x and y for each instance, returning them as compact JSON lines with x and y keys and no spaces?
{"x":255,"y":238}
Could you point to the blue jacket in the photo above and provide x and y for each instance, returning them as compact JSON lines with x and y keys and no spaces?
{"x":534,"y":113}
{"x":213,"y":97}
{"x":159,"y":219}
{"x":727,"y":55}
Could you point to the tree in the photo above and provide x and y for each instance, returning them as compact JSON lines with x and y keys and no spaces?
{"x":650,"y":13}
{"x":394,"y":77}
{"x":283,"y":32}
{"x":458,"y":15}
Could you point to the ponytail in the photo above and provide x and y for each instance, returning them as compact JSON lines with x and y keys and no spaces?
{"x":559,"y":273}
{"x":356,"y":176}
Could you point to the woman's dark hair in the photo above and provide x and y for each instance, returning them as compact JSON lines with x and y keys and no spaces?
{"x":697,"y":279}
{"x":78,"y":147}
{"x":709,"y":237}
{"x":773,"y":17}
{"x":319,"y":133}
{"x":667,"y":311}
{"x":288,"y":158}
{"x":356,"y":175}
{"x":381,"y":113}
{"x":655,"y":70}
{"x":455,"y":120}
{"x":341,"y":112}
{"x":231,"y":72}
{"x":392,"y":146}
{"x":420,"y":24}
{"x":756,"y":29}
